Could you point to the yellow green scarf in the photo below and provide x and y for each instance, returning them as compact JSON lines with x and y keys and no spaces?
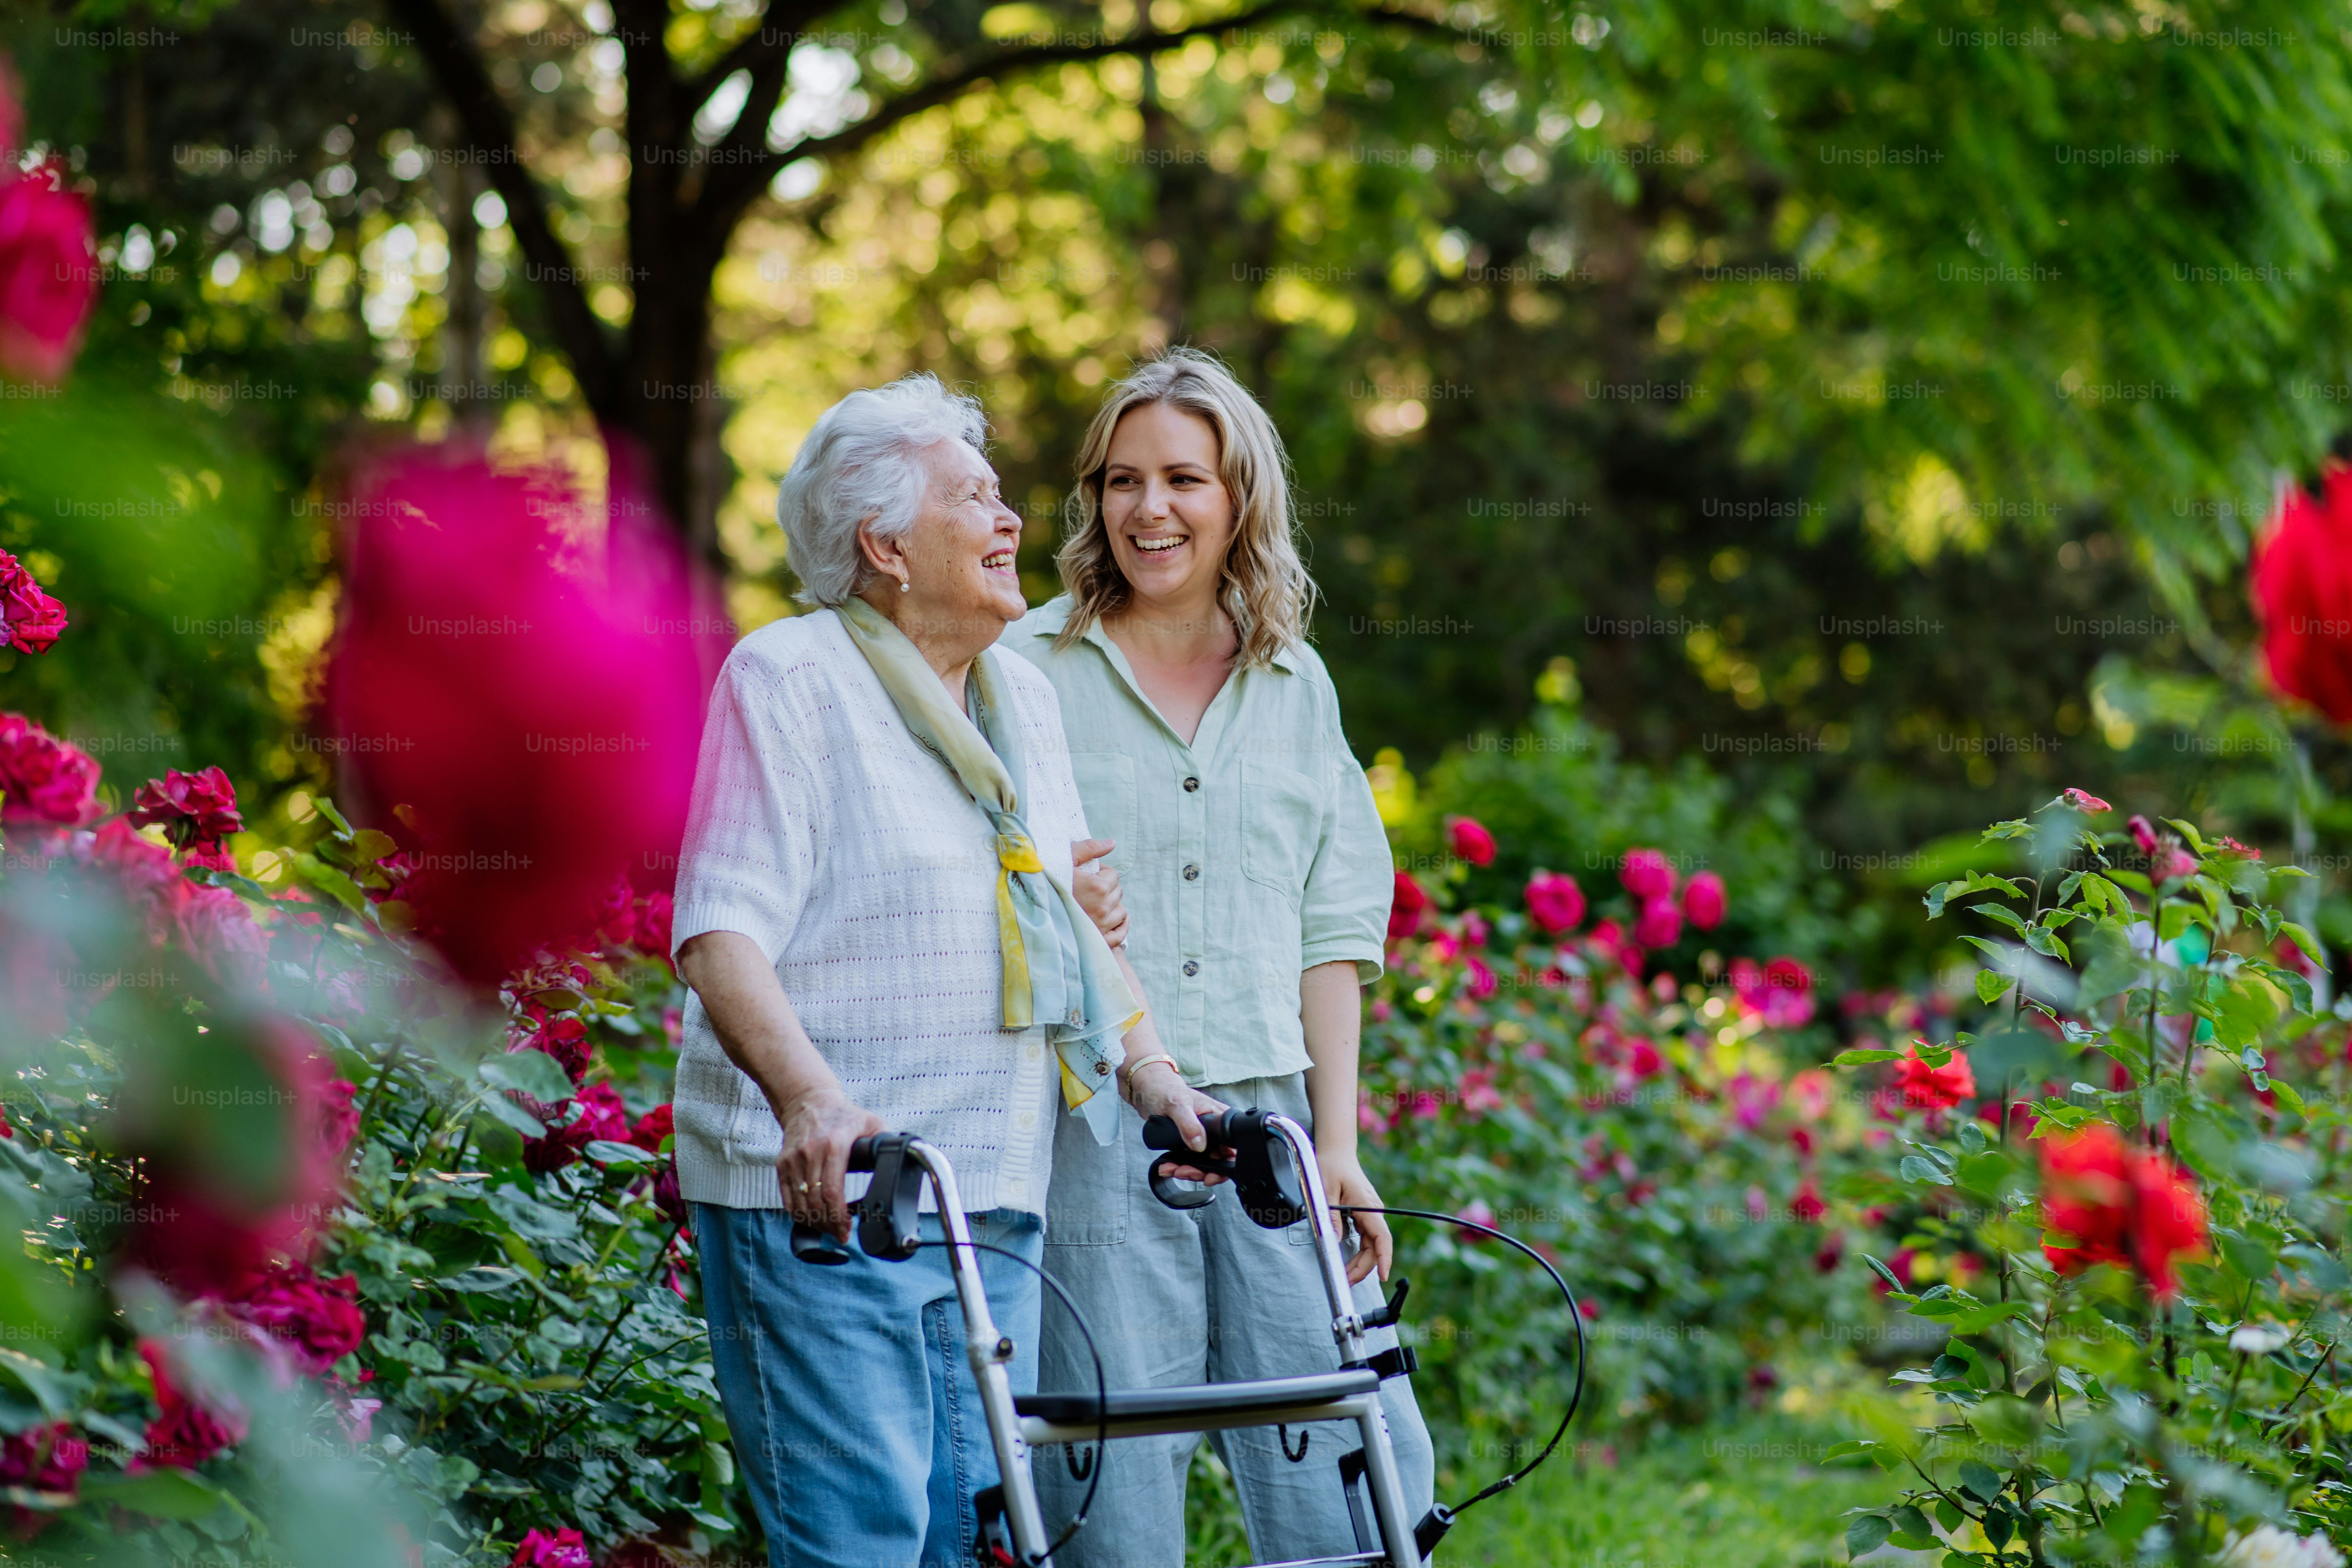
{"x":1058,"y":970}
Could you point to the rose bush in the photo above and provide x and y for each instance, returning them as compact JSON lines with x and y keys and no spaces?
{"x":2149,"y":1191}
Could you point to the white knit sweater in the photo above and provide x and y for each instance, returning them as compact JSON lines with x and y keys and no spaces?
{"x":825,"y":832}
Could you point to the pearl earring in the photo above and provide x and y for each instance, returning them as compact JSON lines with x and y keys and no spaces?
{"x":906,"y":585}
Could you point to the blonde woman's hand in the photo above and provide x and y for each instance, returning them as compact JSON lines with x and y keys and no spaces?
{"x":1344,"y":1182}
{"x":1096,"y":888}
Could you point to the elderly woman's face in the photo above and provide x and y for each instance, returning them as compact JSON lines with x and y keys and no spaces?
{"x":961,"y":550}
{"x":1165,"y":505}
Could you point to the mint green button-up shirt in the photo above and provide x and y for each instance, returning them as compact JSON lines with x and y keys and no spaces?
{"x":1246,"y":857}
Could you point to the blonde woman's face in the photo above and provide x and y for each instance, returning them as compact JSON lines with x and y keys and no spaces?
{"x":1165,"y":504}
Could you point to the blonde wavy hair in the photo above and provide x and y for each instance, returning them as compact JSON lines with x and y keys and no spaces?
{"x":1265,"y":588}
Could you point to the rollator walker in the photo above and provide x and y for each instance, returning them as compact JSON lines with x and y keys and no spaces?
{"x":1274,"y":1170}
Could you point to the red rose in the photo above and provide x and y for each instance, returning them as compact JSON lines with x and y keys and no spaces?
{"x":2168,"y":1221}
{"x":1406,"y":905}
{"x":1555,"y":903}
{"x":1471,"y":841}
{"x":318,"y":1320}
{"x":1704,"y":902}
{"x":565,"y":1548}
{"x":1788,"y":993}
{"x":521,"y":703}
{"x":606,"y":1118}
{"x":2085,"y":802}
{"x":48,"y":273}
{"x":616,"y":917}
{"x":667,"y":1196}
{"x":188,"y":1430}
{"x":1832,"y":1253}
{"x":339,"y":1118}
{"x":44,"y":1459}
{"x":42,"y":778}
{"x":1660,"y":924}
{"x":192,"y":808}
{"x":1807,"y":1205}
{"x":1642,"y":1061}
{"x":1483,"y":981}
{"x":1646,"y":875}
{"x":654,"y":926}
{"x":30,"y":621}
{"x":654,"y":1126}
{"x":2087,"y":1191}
{"x":2301,"y":584}
{"x":564,"y":1038}
{"x":1928,"y":1088}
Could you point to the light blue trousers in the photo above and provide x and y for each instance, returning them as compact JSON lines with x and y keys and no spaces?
{"x":854,"y":1413}
{"x":1199,"y":1296}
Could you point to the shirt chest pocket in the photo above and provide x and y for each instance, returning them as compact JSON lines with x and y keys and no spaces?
{"x":1105,"y":782}
{"x":1282,"y":821}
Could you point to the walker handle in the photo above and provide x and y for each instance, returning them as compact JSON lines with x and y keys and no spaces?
{"x":811,"y":1245}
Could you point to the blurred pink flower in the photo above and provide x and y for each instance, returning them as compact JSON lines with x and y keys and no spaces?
{"x":602,"y":1110}
{"x":1807,"y":1205}
{"x":565,"y":1549}
{"x":1483,"y":981}
{"x":48,"y":272}
{"x":30,"y":621}
{"x":1644,"y":1060}
{"x":1660,"y":925}
{"x":1704,"y":903}
{"x":317,"y":1320}
{"x":44,"y":1458}
{"x":2167,"y":860}
{"x":1752,"y":1100}
{"x":653,"y":937}
{"x":1555,"y":903}
{"x":520,"y":697}
{"x":1478,"y":1093}
{"x":1788,"y":993}
{"x":2085,"y":800}
{"x":1759,"y":1205}
{"x":1476,"y":1212}
{"x":1647,"y":875}
{"x":1470,"y":841}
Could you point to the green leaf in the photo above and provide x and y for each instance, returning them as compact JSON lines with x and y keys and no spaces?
{"x":514,"y":1116}
{"x":1980,"y":1480}
{"x":530,"y":1216}
{"x":2248,"y":1006}
{"x":327,"y":809}
{"x":604,"y":1152}
{"x":1990,"y":985}
{"x":1915,"y":1169}
{"x":1866,"y":1532}
{"x":158,"y":1493}
{"x":2002,"y":913}
{"x":315,"y":873}
{"x":1910,"y":1521}
{"x":1883,"y":1271}
{"x":1862,"y":1058}
{"x":527,"y":1072}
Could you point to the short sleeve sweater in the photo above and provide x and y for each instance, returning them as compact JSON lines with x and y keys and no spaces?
{"x":823,"y":830}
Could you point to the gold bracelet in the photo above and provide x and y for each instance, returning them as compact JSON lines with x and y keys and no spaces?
{"x":1138,"y":1065}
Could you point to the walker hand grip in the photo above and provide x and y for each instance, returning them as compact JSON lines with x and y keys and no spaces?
{"x":1160,"y":1133}
{"x":811,"y":1245}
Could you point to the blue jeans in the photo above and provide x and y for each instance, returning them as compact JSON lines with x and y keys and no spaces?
{"x":856,"y":1415}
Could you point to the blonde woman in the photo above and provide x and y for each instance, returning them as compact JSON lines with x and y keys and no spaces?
{"x":1207,"y":744}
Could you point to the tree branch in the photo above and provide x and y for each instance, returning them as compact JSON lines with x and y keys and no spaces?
{"x":732,"y":187}
{"x":489,"y":130}
{"x":779,"y":29}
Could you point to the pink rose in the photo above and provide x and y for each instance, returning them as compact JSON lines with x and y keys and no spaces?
{"x":565,"y":1549}
{"x":1807,"y":1204}
{"x":213,"y":925}
{"x":30,"y":621}
{"x":564,"y":1038}
{"x":48,"y":273}
{"x":318,"y":1321}
{"x":1642,"y":1061}
{"x":2085,"y":800}
{"x":1788,"y":993}
{"x":616,"y":917}
{"x":607,"y":1117}
{"x":1660,"y":925}
{"x":1646,"y":875}
{"x":1471,"y":841}
{"x":1555,"y":903}
{"x":42,"y":778}
{"x":1704,"y":902}
{"x":1482,"y":983}
{"x":43,"y":1458}
{"x":1476,"y":1212}
{"x":1478,"y":1093}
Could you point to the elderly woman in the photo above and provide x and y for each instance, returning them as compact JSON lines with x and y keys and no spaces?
{"x":1257,"y":882}
{"x":874,"y":910}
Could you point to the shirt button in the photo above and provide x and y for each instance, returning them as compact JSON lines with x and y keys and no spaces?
{"x":1191,"y":967}
{"x":1190,"y":785}
{"x":1192,"y":873}
{"x":1031,"y":1052}
{"x":1028,"y":1119}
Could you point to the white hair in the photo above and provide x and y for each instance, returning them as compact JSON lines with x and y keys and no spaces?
{"x":858,"y":463}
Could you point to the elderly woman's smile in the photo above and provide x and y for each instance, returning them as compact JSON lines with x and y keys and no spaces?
{"x":956,"y":560}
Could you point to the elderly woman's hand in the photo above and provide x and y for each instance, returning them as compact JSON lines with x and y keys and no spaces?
{"x":1161,"y":1091}
{"x":813,"y":1173}
{"x":1096,"y":886}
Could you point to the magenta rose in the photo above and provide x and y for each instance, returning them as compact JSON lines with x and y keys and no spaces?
{"x":30,"y":621}
{"x":1660,"y":925}
{"x":654,"y":926}
{"x":192,"y":808}
{"x":1555,"y":903}
{"x":1470,"y":840}
{"x":1703,"y":900}
{"x":565,"y":1548}
{"x":48,"y":274}
{"x":42,"y":778}
{"x":318,"y":1321}
{"x":1788,"y":993}
{"x":653,"y":1127}
{"x":1646,"y":875}
{"x":44,"y":1459}
{"x":602,"y":1110}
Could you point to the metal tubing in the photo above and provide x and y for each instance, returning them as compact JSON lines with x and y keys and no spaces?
{"x":1036,"y":1429}
{"x":988,"y":1352}
{"x":1346,"y":1326}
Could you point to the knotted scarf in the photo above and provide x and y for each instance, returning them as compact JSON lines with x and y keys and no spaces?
{"x":1058,"y":970}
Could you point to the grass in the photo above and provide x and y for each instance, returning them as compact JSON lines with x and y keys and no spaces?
{"x":1746,"y":1493}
